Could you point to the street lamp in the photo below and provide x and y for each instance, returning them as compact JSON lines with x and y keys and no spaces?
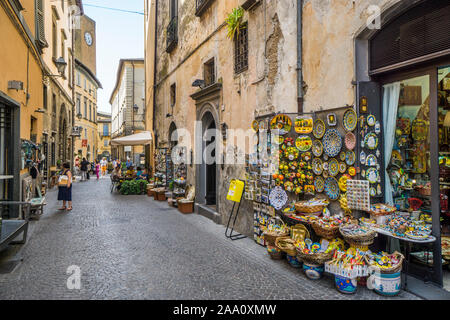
{"x":61,"y":65}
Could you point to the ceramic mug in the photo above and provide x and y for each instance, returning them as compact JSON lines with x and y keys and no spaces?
{"x":386,"y":284}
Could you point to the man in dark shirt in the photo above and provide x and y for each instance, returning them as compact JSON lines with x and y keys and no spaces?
{"x":84,"y":165}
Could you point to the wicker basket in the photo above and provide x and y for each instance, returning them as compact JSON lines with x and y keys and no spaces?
{"x":275,"y":253}
{"x":327,"y":233}
{"x":286,"y":244}
{"x":382,"y":213}
{"x":271,"y":237}
{"x":302,"y":208}
{"x":359,"y":240}
{"x":391,"y":270}
{"x":315,"y":258}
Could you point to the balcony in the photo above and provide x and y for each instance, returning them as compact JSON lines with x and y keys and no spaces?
{"x":201,"y":6}
{"x":172,"y":34}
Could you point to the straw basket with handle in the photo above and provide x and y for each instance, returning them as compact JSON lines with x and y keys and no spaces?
{"x":325,"y":232}
{"x":315,"y":258}
{"x":286,"y":244}
{"x":305,"y":207}
{"x":270,"y":236}
{"x":358,"y":240}
{"x":389,"y":270}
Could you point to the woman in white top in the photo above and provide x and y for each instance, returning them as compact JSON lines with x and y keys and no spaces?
{"x":65,"y":187}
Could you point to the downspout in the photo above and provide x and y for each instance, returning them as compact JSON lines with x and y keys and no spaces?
{"x":154,"y":71}
{"x":132,"y":109}
{"x":299,"y":56}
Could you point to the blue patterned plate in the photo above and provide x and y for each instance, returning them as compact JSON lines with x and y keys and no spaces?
{"x":332,"y":188}
{"x":332,"y":142}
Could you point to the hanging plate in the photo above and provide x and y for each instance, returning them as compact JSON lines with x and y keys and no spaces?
{"x":255,"y":125}
{"x":371,"y":141}
{"x":372,"y":192}
{"x":342,"y":156}
{"x":319,"y":184}
{"x":281,"y":124}
{"x":371,"y":120}
{"x":317,"y":148}
{"x":317,"y":166}
{"x":342,"y":167}
{"x":362,"y":157}
{"x":350,"y":158}
{"x":278,"y":198}
{"x":325,"y":174}
{"x":350,"y":141}
{"x":332,"y":188}
{"x":303,"y":124}
{"x":332,"y":142}
{"x":333,"y":167}
{"x":343,"y":182}
{"x":278,"y":139}
{"x":319,"y":129}
{"x":352,"y":171}
{"x":350,"y":120}
{"x":372,"y":175}
{"x":303,"y":143}
{"x":371,"y":160}
{"x":325,"y":166}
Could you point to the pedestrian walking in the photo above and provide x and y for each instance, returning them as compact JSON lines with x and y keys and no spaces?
{"x":65,"y":187}
{"x":89,"y":165}
{"x":104,"y":165}
{"x":97,"y":169}
{"x":84,"y":168}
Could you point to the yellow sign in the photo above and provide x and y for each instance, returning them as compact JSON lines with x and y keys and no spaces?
{"x":235,"y":191}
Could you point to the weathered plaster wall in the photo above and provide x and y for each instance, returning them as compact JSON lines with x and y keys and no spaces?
{"x":329,"y":30}
{"x":268,"y":85}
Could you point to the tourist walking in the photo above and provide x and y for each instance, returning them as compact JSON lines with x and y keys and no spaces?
{"x":84,"y":168}
{"x":104,"y":165}
{"x":65,"y":187}
{"x":97,"y":169}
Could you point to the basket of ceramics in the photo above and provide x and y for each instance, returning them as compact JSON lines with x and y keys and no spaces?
{"x":271,"y":235}
{"x":361,"y":241}
{"x":386,"y":281}
{"x":325,"y":232}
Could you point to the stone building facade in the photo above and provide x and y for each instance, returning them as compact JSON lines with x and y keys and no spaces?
{"x":127,"y":106}
{"x":103,"y":135}
{"x":253,"y":77}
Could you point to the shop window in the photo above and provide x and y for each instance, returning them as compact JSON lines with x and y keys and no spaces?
{"x":209,"y":72}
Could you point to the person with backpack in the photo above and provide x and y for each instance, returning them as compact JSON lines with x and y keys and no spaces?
{"x":65,"y":187}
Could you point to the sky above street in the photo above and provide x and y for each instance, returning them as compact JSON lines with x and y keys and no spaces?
{"x":119,"y":35}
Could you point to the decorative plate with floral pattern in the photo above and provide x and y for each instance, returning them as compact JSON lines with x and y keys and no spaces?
{"x":350,"y":120}
{"x":317,"y":148}
{"x":317,"y":166}
{"x":319,"y":184}
{"x":332,"y":142}
{"x":333,"y":167}
{"x":278,"y":198}
{"x":350,"y":158}
{"x":319,"y":129}
{"x":332,"y":188}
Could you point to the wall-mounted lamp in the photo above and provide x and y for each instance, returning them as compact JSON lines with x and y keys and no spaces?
{"x":61,"y":65}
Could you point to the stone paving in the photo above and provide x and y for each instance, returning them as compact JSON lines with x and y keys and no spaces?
{"x":131,"y":247}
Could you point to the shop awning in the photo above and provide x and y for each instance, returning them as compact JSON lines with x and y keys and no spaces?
{"x":138,"y":139}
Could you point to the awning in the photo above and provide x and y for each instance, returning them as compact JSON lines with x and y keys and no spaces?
{"x":138,"y":139}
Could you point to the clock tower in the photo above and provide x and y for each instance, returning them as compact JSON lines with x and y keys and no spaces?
{"x":86,"y":44}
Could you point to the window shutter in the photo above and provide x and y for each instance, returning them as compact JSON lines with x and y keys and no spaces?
{"x":40,"y":24}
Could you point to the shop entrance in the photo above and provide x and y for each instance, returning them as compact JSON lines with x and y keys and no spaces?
{"x":208,"y":165}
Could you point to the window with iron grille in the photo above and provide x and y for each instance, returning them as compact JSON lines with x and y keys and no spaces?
{"x":209,"y":72}
{"x":241,"y":50}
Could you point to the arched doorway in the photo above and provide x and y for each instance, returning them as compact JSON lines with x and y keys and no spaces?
{"x":173,"y":138}
{"x":208,"y":172}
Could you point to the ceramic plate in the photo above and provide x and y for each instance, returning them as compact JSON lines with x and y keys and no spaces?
{"x":371,"y":120}
{"x":333,"y":167}
{"x":317,"y":148}
{"x":319,"y":129}
{"x":278,"y":198}
{"x":350,"y":158}
{"x":255,"y":125}
{"x":332,"y":119}
{"x":303,"y":143}
{"x":352,"y":171}
{"x":281,"y":124}
{"x":278,"y":139}
{"x":319,"y":184}
{"x":371,"y":141}
{"x":343,"y":182}
{"x":303,"y":124}
{"x":317,"y":166}
{"x":332,"y":188}
{"x":350,"y":120}
{"x":350,"y":141}
{"x":372,"y":175}
{"x":332,"y":142}
{"x":342,"y":167}
{"x":371,"y":160}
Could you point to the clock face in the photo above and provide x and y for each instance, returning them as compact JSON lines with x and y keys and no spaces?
{"x":88,"y":38}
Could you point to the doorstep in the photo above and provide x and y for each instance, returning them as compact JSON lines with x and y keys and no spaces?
{"x":426,"y":290}
{"x":207,"y":212}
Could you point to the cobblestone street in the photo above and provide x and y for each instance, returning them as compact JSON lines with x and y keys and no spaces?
{"x":131,"y":247}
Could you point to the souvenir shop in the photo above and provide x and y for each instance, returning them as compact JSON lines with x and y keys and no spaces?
{"x":361,"y":192}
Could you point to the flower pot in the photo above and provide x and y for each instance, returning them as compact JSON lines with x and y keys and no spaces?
{"x":345,"y":285}
{"x":293,"y":261}
{"x":385,"y":284}
{"x":313,"y":271}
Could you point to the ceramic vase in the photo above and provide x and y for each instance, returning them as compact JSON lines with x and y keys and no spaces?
{"x":293,"y":261}
{"x":388,"y":284}
{"x":345,"y":285}
{"x":313,"y":271}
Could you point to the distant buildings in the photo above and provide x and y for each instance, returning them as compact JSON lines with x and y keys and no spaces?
{"x":103,"y":135}
{"x":127,"y":107}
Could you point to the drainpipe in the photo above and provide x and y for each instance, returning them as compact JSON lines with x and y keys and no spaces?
{"x":154,"y":80}
{"x":299,"y":56}
{"x":132,"y":109}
